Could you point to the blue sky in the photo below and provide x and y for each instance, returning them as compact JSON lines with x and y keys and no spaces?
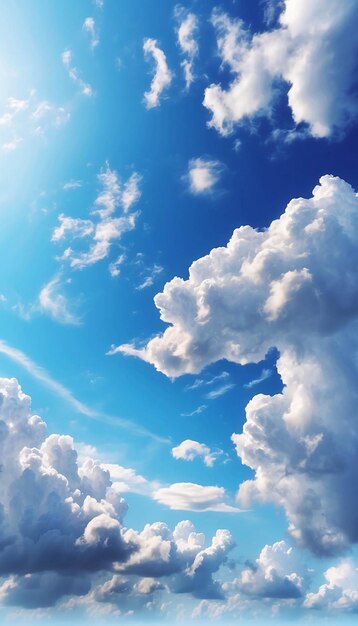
{"x":135,"y":137}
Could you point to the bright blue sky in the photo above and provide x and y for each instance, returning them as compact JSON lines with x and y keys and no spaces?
{"x":74,"y":124}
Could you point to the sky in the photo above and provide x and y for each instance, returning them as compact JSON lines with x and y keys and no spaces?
{"x":179,"y":312}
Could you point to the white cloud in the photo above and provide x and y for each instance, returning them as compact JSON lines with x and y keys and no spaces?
{"x":277,"y":573}
{"x":193,"y":497}
{"x":203,"y":174}
{"x":219,"y":391}
{"x":265,"y":374}
{"x":312,"y":54}
{"x":149,"y":279}
{"x":62,"y":532}
{"x":54,"y":303}
{"x":10,"y":146}
{"x":100,"y":234}
{"x":187,"y":41}
{"x":126,"y":480}
{"x":162,"y":75}
{"x":292,"y":286}
{"x":196,"y":411}
{"x":340,"y":592}
{"x":89,"y":26}
{"x":115,"y":265}
{"x":85,"y":88}
{"x":72,"y":184}
{"x":188,"y":450}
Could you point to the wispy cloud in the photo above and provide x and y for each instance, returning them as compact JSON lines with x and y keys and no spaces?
{"x":220,"y":391}
{"x":196,"y":411}
{"x":186,"y":34}
{"x":54,"y":303}
{"x":162,"y":75}
{"x":89,"y":26}
{"x":85,"y":88}
{"x":40,"y":374}
{"x":266,"y":373}
{"x":201,"y":382}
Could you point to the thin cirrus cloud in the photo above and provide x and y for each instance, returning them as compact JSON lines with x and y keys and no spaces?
{"x":40,"y":374}
{"x":187,"y":31}
{"x":265,"y":374}
{"x":303,"y":50}
{"x":85,"y":88}
{"x":203,"y":175}
{"x":53,"y":302}
{"x":162,"y":76}
{"x":110,"y":219}
{"x":282,"y":287}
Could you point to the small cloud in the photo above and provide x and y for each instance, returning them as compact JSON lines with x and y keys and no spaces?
{"x":266,"y":373}
{"x":85,"y":88}
{"x":202,"y":175}
{"x":114,"y":266}
{"x":189,"y":450}
{"x":12,"y":145}
{"x":194,"y":497}
{"x":72,"y":184}
{"x":54,"y":303}
{"x":149,"y":280}
{"x":90,"y":27}
{"x":162,"y":75}
{"x":220,"y":391}
{"x":196,"y":411}
{"x":187,"y":42}
{"x":199,"y":382}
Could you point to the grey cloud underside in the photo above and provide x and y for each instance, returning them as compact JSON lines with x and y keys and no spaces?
{"x":292,"y":286}
{"x":61,"y":525}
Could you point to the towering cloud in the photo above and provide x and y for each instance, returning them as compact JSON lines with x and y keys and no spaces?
{"x":293,"y":286}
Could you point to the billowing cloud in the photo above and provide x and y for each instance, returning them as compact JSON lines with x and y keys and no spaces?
{"x":277,"y":573}
{"x":293,"y":286}
{"x":203,"y":174}
{"x":193,"y":497}
{"x":61,"y":524}
{"x":105,"y":226}
{"x":340,"y":592}
{"x":311,"y":54}
{"x":188,"y":450}
{"x":162,"y":75}
{"x":187,"y":41}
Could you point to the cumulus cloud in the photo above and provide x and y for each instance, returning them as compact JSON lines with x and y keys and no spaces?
{"x":293,"y":286}
{"x":61,"y":524}
{"x":73,"y":73}
{"x":202,"y":175}
{"x":277,"y":573}
{"x":340,"y":592}
{"x":193,"y":497}
{"x":105,"y":227}
{"x":188,"y":450}
{"x":162,"y":77}
{"x":187,"y":41}
{"x":311,"y":55}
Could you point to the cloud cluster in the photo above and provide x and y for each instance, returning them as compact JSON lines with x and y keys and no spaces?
{"x":61,"y":524}
{"x":311,"y":55}
{"x":187,"y":41}
{"x":293,"y":286}
{"x":105,"y":226}
{"x":162,"y":77}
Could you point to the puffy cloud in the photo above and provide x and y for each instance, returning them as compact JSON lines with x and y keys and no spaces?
{"x":277,"y":573}
{"x":293,"y":286}
{"x":84,"y":87}
{"x":61,"y":524}
{"x":340,"y":592}
{"x":107,"y":228}
{"x":187,"y":41}
{"x":162,"y":74}
{"x":193,"y":497}
{"x":188,"y":450}
{"x":312,"y":54}
{"x":203,"y":174}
